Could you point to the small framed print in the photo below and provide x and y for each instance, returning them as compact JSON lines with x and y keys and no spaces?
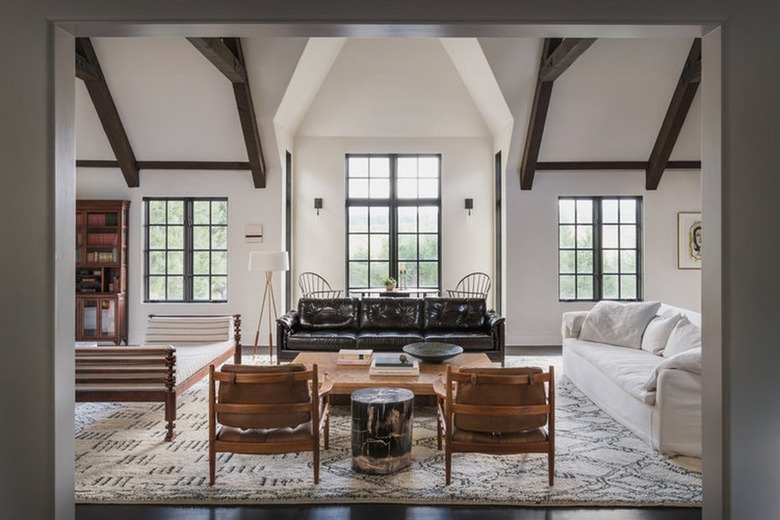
{"x":689,"y":243}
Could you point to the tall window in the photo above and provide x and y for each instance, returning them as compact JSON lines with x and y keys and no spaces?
{"x":599,"y":248}
{"x":393,"y":220}
{"x":185,"y":254}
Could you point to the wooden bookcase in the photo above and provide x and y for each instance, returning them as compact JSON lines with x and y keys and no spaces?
{"x":101,"y":270}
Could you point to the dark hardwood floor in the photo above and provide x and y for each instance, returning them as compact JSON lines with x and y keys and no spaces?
{"x":377,"y":512}
{"x":383,"y":511}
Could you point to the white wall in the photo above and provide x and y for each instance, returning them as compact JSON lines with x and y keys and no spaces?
{"x":246,"y":205}
{"x":467,"y":171}
{"x":533,"y":311}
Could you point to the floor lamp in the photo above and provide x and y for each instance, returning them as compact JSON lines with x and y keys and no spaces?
{"x":268,"y":262}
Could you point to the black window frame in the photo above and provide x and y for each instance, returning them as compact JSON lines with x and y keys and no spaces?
{"x":393,"y":203}
{"x":188,"y":249}
{"x":598,"y":249}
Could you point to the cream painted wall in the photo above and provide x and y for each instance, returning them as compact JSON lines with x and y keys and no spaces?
{"x":246,"y":205}
{"x":467,"y":171}
{"x":531,"y":306}
{"x":533,"y":311}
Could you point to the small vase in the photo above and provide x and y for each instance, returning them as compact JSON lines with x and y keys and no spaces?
{"x":390,"y":287}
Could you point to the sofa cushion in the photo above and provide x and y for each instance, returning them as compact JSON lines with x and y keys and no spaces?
{"x":657,"y":333}
{"x":396,"y":314}
{"x":454,"y":313}
{"x":328,"y":313}
{"x":383,"y":340}
{"x":627,"y":368}
{"x":617,"y":323}
{"x":684,"y":336}
{"x":321,"y":340}
{"x":190,"y":359}
{"x":689,"y":360}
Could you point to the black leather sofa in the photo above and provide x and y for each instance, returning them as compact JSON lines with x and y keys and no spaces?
{"x":387,"y":324}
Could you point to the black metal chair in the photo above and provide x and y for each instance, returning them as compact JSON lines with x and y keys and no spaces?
{"x":315,"y":286}
{"x":473,"y":285}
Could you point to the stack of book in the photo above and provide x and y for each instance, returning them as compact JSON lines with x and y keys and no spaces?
{"x":393,"y":365}
{"x":354,"y":357}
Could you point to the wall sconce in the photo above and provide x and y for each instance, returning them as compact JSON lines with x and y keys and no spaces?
{"x":469,"y":205}
{"x":318,"y":205}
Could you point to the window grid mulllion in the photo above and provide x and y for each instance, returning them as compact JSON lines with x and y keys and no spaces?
{"x":597,"y":226}
{"x":187,"y":250}
{"x":393,"y":203}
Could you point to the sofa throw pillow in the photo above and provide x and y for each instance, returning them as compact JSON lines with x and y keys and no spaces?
{"x":690,"y":361}
{"x":685,"y":336}
{"x":657,"y":333}
{"x":620,"y":324}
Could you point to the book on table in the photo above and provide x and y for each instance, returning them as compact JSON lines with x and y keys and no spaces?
{"x":354,"y":357}
{"x":393,"y":365}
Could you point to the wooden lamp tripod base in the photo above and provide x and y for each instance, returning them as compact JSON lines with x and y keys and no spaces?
{"x":268,"y":296}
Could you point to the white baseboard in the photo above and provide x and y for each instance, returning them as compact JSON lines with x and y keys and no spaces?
{"x":536,"y":340}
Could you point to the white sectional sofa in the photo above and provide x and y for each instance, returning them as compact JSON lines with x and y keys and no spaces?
{"x":641,"y":363}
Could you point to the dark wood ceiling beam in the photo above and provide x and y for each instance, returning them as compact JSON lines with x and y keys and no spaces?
{"x":557,"y":56}
{"x":612,"y":165}
{"x":228,"y":56}
{"x":222,"y":57}
{"x":563,"y":56}
{"x":169,"y":165}
{"x":88,"y":69}
{"x":681,"y":101}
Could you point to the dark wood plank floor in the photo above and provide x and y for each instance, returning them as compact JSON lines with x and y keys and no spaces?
{"x":383,"y":511}
{"x":377,"y":512}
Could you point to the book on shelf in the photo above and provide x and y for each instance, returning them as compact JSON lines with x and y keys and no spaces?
{"x":393,"y":365}
{"x":354,"y":357}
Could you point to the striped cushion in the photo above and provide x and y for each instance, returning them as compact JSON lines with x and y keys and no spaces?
{"x":189,"y":330}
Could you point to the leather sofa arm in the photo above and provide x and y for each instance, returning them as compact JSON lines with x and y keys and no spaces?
{"x":288,"y":321}
{"x":494,"y":319}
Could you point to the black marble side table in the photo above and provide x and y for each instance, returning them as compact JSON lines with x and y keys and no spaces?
{"x":381,"y":430}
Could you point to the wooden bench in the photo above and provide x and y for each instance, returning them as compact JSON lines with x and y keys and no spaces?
{"x":177,"y":353}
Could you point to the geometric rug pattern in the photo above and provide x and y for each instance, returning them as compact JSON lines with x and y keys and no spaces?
{"x":121,"y":457}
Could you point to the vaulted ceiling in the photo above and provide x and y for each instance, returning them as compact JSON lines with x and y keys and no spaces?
{"x":611,"y":103}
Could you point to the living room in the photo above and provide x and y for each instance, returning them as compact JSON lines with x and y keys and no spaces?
{"x":739,"y":478}
{"x":467,"y":143}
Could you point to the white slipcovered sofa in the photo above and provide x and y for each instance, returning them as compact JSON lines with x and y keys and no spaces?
{"x":640,"y":363}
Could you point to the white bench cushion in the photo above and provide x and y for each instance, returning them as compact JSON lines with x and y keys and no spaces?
{"x":178,"y":331}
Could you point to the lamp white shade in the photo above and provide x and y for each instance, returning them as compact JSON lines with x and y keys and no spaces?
{"x":268,"y":261}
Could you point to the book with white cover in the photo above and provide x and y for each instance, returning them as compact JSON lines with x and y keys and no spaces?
{"x":354,"y":357}
{"x":393,"y":365}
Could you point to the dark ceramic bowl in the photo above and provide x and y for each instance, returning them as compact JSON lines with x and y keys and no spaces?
{"x":433,"y":352}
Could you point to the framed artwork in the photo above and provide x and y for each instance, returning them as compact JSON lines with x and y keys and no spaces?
{"x":688,"y":240}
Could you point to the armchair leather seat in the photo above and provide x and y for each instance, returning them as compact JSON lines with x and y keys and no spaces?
{"x":300,"y":433}
{"x":521,"y":437}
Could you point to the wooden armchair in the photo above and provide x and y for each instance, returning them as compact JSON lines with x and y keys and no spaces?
{"x":266,"y":410}
{"x":498,"y":411}
{"x":315,"y":286}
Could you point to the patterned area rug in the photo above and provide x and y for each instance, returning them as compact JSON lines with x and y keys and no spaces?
{"x":121,"y":457}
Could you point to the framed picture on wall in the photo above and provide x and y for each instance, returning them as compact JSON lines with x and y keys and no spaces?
{"x":688,"y":240}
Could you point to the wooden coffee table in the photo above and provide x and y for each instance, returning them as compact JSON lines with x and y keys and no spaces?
{"x":348,"y":378}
